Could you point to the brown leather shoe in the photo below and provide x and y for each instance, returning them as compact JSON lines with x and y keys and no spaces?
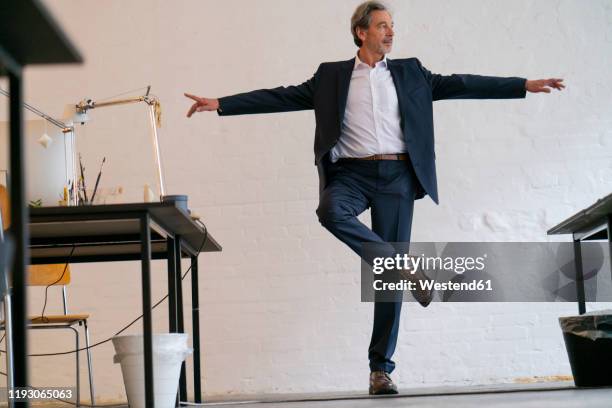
{"x":381,"y":384}
{"x":423,"y":296}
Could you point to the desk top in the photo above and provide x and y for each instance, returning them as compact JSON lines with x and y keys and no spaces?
{"x":30,"y":35}
{"x":587,"y":219}
{"x":112,"y":232}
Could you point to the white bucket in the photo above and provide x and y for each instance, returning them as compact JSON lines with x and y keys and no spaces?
{"x":169,"y":351}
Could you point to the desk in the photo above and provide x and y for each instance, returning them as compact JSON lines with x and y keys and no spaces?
{"x":592,"y":223}
{"x":123,"y":232}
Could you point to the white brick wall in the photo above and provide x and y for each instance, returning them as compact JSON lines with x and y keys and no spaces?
{"x":280,"y":305}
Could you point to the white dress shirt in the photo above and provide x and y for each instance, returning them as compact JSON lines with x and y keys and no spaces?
{"x":371,"y":122}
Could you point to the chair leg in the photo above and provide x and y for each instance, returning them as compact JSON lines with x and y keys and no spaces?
{"x":7,"y":327}
{"x":78,"y":374}
{"x":89,"y":364}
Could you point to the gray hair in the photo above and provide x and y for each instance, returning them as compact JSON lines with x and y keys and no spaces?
{"x":363,"y":16}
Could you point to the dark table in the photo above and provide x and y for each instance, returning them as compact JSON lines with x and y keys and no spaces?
{"x":123,"y":232}
{"x":592,"y":223}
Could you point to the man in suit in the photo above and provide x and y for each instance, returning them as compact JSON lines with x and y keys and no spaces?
{"x":374,"y":146}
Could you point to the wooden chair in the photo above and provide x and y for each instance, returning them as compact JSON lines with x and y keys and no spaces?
{"x":55,"y":275}
{"x":6,"y":253}
{"x":5,"y":260}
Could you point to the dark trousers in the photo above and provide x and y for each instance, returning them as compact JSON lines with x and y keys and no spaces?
{"x":388,"y":188}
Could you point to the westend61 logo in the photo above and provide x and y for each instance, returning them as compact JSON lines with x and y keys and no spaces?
{"x":411,"y":263}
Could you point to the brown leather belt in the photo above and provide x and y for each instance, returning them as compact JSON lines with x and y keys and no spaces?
{"x":395,"y":156}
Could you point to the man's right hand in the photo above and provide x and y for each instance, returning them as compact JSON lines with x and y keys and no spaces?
{"x":201,"y":104}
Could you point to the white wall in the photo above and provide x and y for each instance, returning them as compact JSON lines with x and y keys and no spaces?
{"x":280,"y":304}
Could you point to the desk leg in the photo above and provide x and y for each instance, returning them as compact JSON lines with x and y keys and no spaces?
{"x":195,"y":317}
{"x":180,"y":323}
{"x":19,"y":230}
{"x":147,"y":321}
{"x":579,"y":277}
{"x":171,"y":286}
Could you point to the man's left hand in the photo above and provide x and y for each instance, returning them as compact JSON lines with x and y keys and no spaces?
{"x":544,"y":85}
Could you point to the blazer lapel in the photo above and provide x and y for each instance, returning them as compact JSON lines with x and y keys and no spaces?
{"x":404,"y":84}
{"x":344,"y":80}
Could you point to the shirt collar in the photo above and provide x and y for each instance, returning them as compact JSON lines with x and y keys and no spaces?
{"x":381,"y":63}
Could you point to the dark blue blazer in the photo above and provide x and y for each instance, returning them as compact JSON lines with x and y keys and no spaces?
{"x":326,"y":92}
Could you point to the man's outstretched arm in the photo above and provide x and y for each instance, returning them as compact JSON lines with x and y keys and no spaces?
{"x":281,"y":99}
{"x":466,"y":86}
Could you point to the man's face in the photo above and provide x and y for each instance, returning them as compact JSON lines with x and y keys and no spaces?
{"x":378,"y":37}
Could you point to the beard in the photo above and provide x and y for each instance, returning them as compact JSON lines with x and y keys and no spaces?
{"x":381,"y":48}
{"x":384,"y":48}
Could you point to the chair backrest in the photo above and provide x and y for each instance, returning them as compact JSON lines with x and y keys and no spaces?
{"x":4,"y":207}
{"x":45,"y":275}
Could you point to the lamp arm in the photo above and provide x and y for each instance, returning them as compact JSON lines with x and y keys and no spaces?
{"x":87,"y":104}
{"x":65,"y":128}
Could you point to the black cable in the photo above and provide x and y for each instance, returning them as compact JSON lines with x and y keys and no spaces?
{"x":132,"y":322}
{"x":42,"y":314}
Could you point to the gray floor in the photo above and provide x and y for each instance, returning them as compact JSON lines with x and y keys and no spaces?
{"x":557,"y":395}
{"x":532,"y":399}
{"x":539,"y":395}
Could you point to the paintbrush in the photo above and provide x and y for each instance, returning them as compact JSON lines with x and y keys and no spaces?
{"x":79,"y":197}
{"x":83,"y":179}
{"x":70,"y":192}
{"x":97,"y":181}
